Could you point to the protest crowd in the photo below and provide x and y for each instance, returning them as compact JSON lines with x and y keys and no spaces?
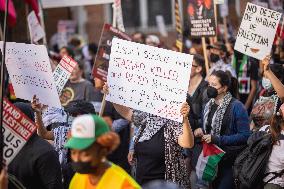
{"x":131,"y":112}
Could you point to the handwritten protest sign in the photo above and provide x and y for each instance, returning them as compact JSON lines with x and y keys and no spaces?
{"x":102,"y":59}
{"x":36,"y":31}
{"x":148,"y":78}
{"x":17,"y":129}
{"x":30,"y":72}
{"x":257,"y":31}
{"x":63,"y":71}
{"x":70,"y":3}
{"x":201,"y":18}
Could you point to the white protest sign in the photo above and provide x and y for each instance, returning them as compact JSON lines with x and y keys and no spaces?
{"x":30,"y":72}
{"x":70,"y":3}
{"x":257,"y":31}
{"x":63,"y":71}
{"x":17,"y":129}
{"x":148,"y":78}
{"x":119,"y":17}
{"x":36,"y":31}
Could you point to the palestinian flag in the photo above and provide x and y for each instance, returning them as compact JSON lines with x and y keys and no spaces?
{"x":207,"y":164}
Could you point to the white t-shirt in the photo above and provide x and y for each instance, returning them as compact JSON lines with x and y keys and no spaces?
{"x":275,"y":162}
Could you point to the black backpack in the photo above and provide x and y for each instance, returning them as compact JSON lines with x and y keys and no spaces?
{"x":249,"y":167}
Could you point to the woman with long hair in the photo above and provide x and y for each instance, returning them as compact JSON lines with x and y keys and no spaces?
{"x":226,"y":124}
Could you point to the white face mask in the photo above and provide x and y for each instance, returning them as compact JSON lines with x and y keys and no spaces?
{"x":266,"y":84}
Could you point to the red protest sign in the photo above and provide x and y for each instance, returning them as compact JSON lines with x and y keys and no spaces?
{"x":17,"y":129}
{"x":103,"y":55}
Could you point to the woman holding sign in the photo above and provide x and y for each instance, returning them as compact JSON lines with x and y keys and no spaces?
{"x":159,"y":145}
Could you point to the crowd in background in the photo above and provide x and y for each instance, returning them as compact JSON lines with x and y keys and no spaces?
{"x":238,"y":96}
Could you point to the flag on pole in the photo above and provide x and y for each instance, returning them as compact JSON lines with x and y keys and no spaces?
{"x":207,"y":164}
{"x":34,"y":5}
{"x":12,"y":16}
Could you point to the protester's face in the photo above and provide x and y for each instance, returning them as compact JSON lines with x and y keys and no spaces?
{"x":76,"y":74}
{"x":94,"y":155}
{"x":195,"y":69}
{"x":200,"y":2}
{"x":214,"y":82}
{"x":63,"y":52}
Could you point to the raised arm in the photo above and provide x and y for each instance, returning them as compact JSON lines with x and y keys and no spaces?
{"x":186,"y":140}
{"x":41,"y":130}
{"x":276,"y":83}
{"x":124,"y":111}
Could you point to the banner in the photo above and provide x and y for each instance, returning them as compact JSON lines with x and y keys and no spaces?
{"x":30,"y":72}
{"x":148,"y":78}
{"x":102,"y":58}
{"x":17,"y":129}
{"x":70,"y":3}
{"x":36,"y":31}
{"x":201,"y":18}
{"x":257,"y":31}
{"x":62,"y":72}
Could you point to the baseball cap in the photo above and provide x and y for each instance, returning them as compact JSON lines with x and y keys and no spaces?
{"x":219,"y":46}
{"x":85,"y":130}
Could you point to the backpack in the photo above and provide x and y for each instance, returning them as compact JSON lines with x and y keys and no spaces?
{"x":249,"y":167}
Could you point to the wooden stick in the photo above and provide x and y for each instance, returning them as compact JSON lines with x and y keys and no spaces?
{"x":103,"y":106}
{"x":216,"y":21}
{"x":205,"y":55}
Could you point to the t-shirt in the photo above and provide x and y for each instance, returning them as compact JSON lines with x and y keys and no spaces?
{"x":83,"y":90}
{"x":151,"y":158}
{"x":36,"y":166}
{"x":113,"y":178}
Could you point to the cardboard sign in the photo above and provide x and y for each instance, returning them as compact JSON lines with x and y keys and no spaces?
{"x":36,"y":31}
{"x":257,"y":31}
{"x":148,"y":78}
{"x":70,"y":3}
{"x":201,"y":18}
{"x":17,"y":129}
{"x":30,"y":72}
{"x":102,"y":58}
{"x":63,"y":71}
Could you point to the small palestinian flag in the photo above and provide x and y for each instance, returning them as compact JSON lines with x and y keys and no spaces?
{"x":207,"y":164}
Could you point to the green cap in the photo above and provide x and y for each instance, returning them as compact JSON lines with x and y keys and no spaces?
{"x":85,"y":130}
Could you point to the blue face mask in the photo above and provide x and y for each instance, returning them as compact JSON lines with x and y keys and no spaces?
{"x":266,"y":84}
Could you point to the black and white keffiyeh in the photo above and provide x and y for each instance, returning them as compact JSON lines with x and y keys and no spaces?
{"x":218,"y":115}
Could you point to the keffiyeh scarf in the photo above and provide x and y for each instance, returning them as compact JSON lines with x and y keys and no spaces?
{"x":218,"y":115}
